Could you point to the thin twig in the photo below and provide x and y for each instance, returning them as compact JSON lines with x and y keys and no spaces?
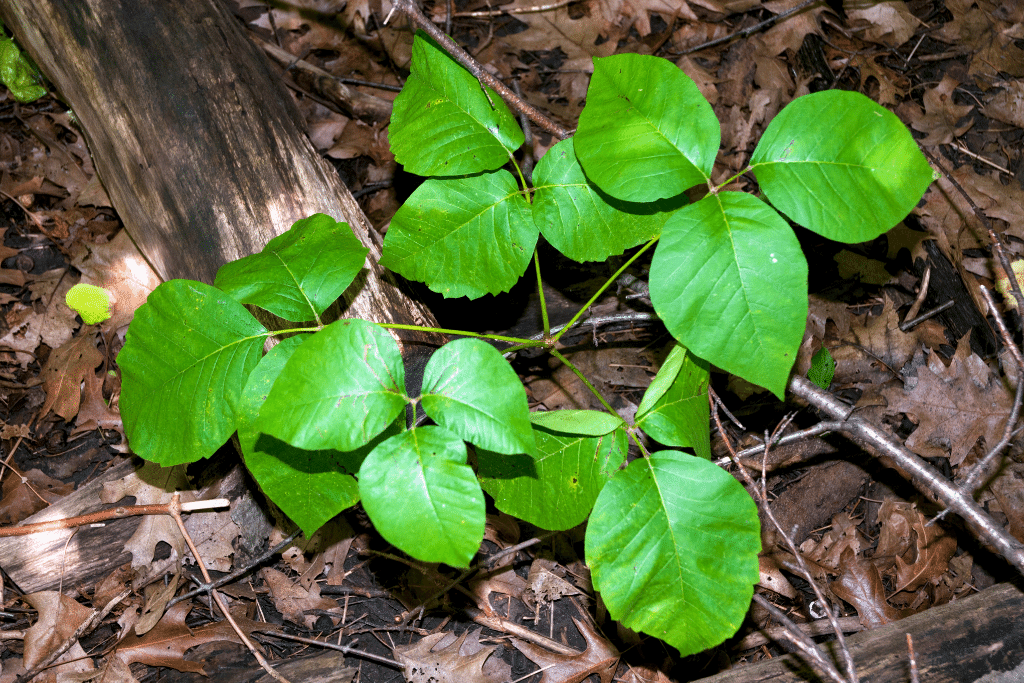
{"x":762,"y":501}
{"x":743,"y":33}
{"x":823,"y":427}
{"x":514,"y":10}
{"x":801,"y":641}
{"x":228,"y":578}
{"x":412,"y":10}
{"x":340,"y":648}
{"x":113,"y":513}
{"x":175,"y":512}
{"x":922,"y":475}
{"x":915,"y":308}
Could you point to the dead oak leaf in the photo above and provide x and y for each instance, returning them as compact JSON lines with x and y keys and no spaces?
{"x":59,"y":617}
{"x":951,"y":410}
{"x":292,"y":600}
{"x":151,"y":484}
{"x":599,"y":658}
{"x":443,"y":658}
{"x":64,"y":372}
{"x":942,"y":116}
{"x":29,"y":493}
{"x":860,"y":584}
{"x":167,"y":642}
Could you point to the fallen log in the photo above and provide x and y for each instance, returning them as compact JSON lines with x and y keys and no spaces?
{"x":954,"y":643}
{"x":195,"y":138}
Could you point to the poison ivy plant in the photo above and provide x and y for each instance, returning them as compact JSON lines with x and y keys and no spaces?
{"x":672,"y":540}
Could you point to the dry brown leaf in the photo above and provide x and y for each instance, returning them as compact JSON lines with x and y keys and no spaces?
{"x":167,"y":642}
{"x":151,"y":484}
{"x":26,"y":495}
{"x":292,"y":600}
{"x":22,"y":337}
{"x":502,"y":580}
{"x":977,"y":28}
{"x":58,"y":322}
{"x":860,"y":584}
{"x":941,"y":119}
{"x":599,"y":658}
{"x":1008,"y":104}
{"x":881,"y":349}
{"x":64,"y":372}
{"x":889,"y":23}
{"x":918,"y":552}
{"x":545,"y":584}
{"x":455,"y":660}
{"x":94,"y":412}
{"x":950,"y":408}
{"x":1008,"y":488}
{"x":59,"y":617}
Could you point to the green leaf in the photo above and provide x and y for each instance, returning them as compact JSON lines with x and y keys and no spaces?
{"x":442,"y":122}
{"x":678,"y":414}
{"x":90,"y":302}
{"x":672,"y":545}
{"x":310,"y":487}
{"x":186,"y":359}
{"x":19,"y":74}
{"x":841,"y":165}
{"x":341,"y":388}
{"x":646,"y":132}
{"x":583,"y":222}
{"x":730,"y":282}
{"x":579,"y":422}
{"x":463,"y":237}
{"x":557,"y":489}
{"x":471,"y":390}
{"x":300,"y":273}
{"x":422,"y":496}
{"x":823,"y":368}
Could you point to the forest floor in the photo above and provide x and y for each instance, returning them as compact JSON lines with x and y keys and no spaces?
{"x":944,"y":386}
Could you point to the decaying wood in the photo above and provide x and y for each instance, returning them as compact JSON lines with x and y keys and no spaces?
{"x":80,"y":556}
{"x":955,"y":643}
{"x":193,"y":135}
{"x":43,"y":561}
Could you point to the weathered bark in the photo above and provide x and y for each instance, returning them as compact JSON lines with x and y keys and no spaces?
{"x":196,"y":140}
{"x":955,"y":643}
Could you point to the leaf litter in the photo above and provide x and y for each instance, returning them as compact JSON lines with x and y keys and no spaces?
{"x":950,"y":77}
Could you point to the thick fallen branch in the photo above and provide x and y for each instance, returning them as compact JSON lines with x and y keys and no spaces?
{"x":923,"y":476}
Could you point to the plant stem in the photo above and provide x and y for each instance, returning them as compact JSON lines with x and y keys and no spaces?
{"x":729,"y":180}
{"x":605,"y":286}
{"x":576,"y":371}
{"x":464,"y":333}
{"x":540,"y":294}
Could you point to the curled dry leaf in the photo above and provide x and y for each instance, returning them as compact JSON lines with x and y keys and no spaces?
{"x":25,"y":495}
{"x":599,"y":658}
{"x":59,"y":617}
{"x":921,"y":553}
{"x":860,"y":584}
{"x":455,"y":660}
{"x":151,"y":484}
{"x":292,"y":600}
{"x":167,"y":642}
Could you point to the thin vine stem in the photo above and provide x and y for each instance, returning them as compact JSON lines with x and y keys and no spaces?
{"x":524,"y":343}
{"x":569,"y":325}
{"x":540,"y":294}
{"x":555,"y":352}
